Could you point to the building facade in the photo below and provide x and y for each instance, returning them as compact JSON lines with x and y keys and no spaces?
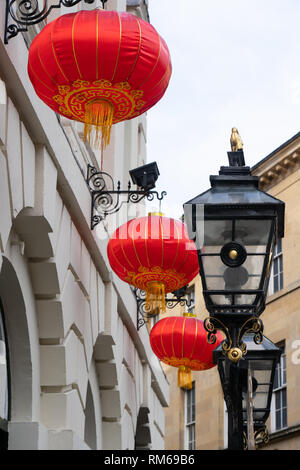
{"x":74,"y":371}
{"x":200,"y":419}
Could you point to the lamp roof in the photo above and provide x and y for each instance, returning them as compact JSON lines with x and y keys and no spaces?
{"x":266,"y":345}
{"x":236,"y":188}
{"x":267,"y":348}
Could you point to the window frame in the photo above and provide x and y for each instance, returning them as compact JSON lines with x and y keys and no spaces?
{"x":190,"y":418}
{"x":278,"y":263}
{"x":280,"y":391}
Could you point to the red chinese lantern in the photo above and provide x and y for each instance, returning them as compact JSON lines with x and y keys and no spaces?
{"x":182,"y":342}
{"x":155,"y":255}
{"x":99,"y":67}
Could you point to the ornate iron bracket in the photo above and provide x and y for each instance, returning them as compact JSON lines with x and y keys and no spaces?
{"x":233,"y":346}
{"x":261,"y":437}
{"x":25,"y":13}
{"x":143,"y":314}
{"x":107,"y":200}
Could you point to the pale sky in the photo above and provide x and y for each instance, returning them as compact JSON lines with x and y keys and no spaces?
{"x":236,"y":63}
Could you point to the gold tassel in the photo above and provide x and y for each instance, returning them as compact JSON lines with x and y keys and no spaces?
{"x":184,"y":378}
{"x":155,"y":298}
{"x":98,"y":120}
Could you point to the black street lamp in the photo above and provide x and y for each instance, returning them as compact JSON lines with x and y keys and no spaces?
{"x":261,"y":361}
{"x":235,"y":226}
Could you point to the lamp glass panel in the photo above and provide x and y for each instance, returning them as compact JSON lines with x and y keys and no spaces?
{"x":221,"y":277}
{"x":261,"y":371}
{"x":218,"y":276}
{"x":214,"y":269}
{"x":215,"y":234}
{"x":244,"y":299}
{"x":239,"y":299}
{"x":253,"y":234}
{"x":254,"y":266}
{"x":221,"y":299}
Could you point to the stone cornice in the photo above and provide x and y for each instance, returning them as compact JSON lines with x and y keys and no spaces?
{"x":139,"y":8}
{"x":278,"y":165}
{"x":285,"y":433}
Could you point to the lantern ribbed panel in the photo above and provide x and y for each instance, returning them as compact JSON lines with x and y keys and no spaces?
{"x":182,"y":341}
{"x":108,"y":55}
{"x":153,"y":249}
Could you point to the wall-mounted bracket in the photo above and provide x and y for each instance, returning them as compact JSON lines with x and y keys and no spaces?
{"x":143,"y":314}
{"x":20,"y":14}
{"x":107,"y":200}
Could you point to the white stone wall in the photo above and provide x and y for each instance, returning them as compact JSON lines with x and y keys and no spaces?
{"x":81,"y":375}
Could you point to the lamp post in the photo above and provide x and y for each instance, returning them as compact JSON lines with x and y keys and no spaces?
{"x":235,"y":226}
{"x":261,"y":361}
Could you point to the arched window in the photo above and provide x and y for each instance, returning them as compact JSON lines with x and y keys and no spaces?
{"x":4,"y":384}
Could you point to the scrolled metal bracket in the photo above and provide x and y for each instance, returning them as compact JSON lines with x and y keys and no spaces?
{"x":233,"y":345}
{"x":261,"y":437}
{"x":143,"y":313}
{"x":20,"y":14}
{"x":212,"y":325}
{"x":107,"y":200}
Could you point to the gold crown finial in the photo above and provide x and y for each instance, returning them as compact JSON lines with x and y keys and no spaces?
{"x":235,"y":140}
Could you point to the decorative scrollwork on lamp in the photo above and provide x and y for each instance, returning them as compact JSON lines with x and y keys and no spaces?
{"x":261,"y":437}
{"x":212,"y":325}
{"x":233,"y":345}
{"x":252,"y":325}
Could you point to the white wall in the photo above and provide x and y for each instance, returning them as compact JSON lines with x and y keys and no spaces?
{"x":75,"y":320}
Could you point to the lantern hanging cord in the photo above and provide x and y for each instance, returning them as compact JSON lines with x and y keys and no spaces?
{"x":159,"y":210}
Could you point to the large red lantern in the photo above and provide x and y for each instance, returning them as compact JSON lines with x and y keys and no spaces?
{"x":155,"y":255}
{"x":99,"y":67}
{"x":182,"y":342}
